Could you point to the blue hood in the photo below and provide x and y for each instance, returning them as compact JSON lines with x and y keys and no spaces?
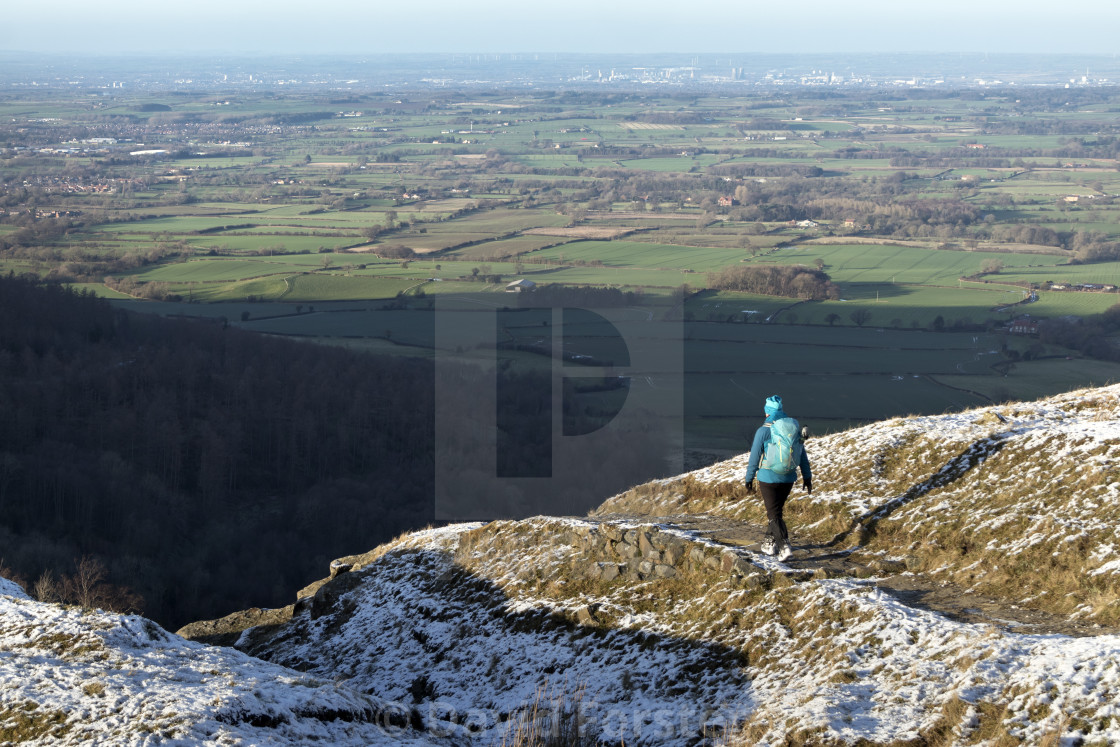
{"x":773,"y":408}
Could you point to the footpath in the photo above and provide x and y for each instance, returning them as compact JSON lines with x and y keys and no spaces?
{"x":817,"y":561}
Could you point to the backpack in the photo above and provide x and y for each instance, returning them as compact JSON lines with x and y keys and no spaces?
{"x":783,"y":451}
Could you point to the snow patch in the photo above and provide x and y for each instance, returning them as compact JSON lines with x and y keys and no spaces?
{"x":12,"y":589}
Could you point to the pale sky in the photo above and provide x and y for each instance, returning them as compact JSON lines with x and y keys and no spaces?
{"x":488,"y":26}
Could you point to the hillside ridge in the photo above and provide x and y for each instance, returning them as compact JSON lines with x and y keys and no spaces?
{"x":955,"y":496}
{"x":954,"y":583}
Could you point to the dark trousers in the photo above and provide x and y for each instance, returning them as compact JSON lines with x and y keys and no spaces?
{"x":774,"y":495}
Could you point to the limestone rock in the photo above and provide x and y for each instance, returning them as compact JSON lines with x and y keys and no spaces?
{"x":673,"y":551}
{"x":225,"y":631}
{"x":585,"y":615}
{"x":626,"y":550}
{"x":732,"y":563}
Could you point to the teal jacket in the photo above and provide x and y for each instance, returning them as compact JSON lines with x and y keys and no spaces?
{"x":761,"y":436}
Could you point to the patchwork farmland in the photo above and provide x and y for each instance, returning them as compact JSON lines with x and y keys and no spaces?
{"x":934,"y":232}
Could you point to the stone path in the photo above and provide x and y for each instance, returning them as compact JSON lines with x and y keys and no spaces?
{"x":912,"y":589}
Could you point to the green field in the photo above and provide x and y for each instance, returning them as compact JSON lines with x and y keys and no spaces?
{"x":882,"y":263}
{"x":1099,"y":273}
{"x":634,"y":254}
{"x":678,"y":163}
{"x":637,"y":177}
{"x":504,"y":248}
{"x":1055,"y":304}
{"x":263,"y":243}
{"x":203,"y":270}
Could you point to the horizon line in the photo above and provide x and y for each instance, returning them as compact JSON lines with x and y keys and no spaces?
{"x":446,"y":53}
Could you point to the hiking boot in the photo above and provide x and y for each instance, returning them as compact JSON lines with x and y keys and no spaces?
{"x":768,"y":546}
{"x":785,"y":553}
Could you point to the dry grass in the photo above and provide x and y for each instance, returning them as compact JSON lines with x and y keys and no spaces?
{"x":93,"y":688}
{"x":26,"y":722}
{"x":68,"y":646}
{"x":950,"y":728}
{"x":554,"y":719}
{"x":1003,"y":530}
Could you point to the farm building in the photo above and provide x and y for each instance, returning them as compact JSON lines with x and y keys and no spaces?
{"x":1024,"y":326}
{"x":520,"y":286}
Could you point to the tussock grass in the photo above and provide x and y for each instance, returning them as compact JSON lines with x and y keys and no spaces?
{"x":958,"y":722}
{"x":1024,"y":513}
{"x":1006,"y":530}
{"x":554,"y":719}
{"x":93,"y":688}
{"x":26,"y":722}
{"x":69,"y":646}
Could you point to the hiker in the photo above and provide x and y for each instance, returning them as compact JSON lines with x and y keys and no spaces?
{"x":776,"y":455}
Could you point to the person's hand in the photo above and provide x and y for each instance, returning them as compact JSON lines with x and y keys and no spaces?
{"x":750,"y":487}
{"x":808,"y":486}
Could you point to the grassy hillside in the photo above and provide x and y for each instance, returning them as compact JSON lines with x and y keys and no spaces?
{"x":1017,"y":501}
{"x":955,"y":583}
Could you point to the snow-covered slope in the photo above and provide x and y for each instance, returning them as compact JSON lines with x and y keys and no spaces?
{"x":470,"y":623}
{"x":11,"y":589}
{"x":69,"y":676}
{"x":662,"y":632}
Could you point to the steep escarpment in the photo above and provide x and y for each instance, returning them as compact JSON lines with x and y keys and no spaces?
{"x":953,"y":583}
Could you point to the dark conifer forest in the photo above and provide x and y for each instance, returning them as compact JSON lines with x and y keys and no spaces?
{"x":208,"y":469}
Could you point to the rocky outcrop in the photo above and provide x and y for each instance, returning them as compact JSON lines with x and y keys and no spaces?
{"x":618,"y":551}
{"x":604,"y":551}
{"x":612,"y":551}
{"x":226,"y":631}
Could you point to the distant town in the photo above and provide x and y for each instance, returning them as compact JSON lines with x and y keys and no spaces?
{"x":735,"y":72}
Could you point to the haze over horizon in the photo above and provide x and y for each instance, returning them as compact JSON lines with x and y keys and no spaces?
{"x":579,"y":26}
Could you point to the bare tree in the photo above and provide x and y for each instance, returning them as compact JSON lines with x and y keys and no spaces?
{"x":860,"y":317}
{"x":87,"y":589}
{"x":47,"y":588}
{"x":82,"y":588}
